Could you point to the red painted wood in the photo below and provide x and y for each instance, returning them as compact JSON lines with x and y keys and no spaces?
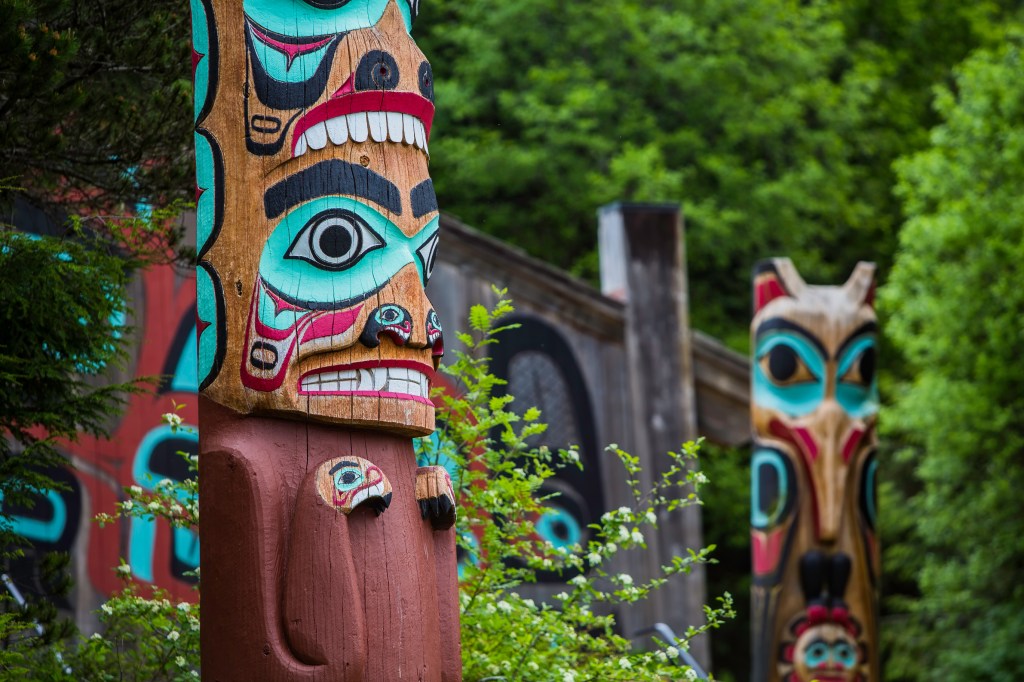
{"x":293,"y":589}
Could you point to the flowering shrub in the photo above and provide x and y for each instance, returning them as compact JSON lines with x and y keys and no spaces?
{"x":572,"y":639}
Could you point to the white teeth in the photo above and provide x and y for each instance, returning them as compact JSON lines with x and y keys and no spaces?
{"x":395,"y":126}
{"x":358,"y":128}
{"x":380,"y":126}
{"x":337,"y":129}
{"x":409,"y":126}
{"x":317,"y":136}
{"x":400,"y":380}
{"x":421,"y":135}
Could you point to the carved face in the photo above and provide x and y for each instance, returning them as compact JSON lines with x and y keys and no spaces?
{"x":827,"y":653}
{"x":814,"y":409}
{"x":815,"y":401}
{"x":347,"y":482}
{"x":320,"y":231}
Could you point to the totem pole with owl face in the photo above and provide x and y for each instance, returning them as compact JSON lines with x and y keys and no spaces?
{"x":815,"y":551}
{"x":326,"y":553}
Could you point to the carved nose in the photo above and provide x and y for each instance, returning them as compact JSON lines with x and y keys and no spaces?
{"x":831,"y":424}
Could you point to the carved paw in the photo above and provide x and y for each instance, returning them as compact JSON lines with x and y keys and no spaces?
{"x":435,"y":496}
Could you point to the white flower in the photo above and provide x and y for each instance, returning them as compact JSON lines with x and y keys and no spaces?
{"x":623,"y":534}
{"x":107,"y":609}
{"x":691,"y":674}
{"x":182,"y":663}
{"x":572,"y":455}
{"x":594,"y":558}
{"x":124,"y":569}
{"x":568,"y":676}
{"x":578,"y":580}
{"x":127,"y":506}
{"x":660,"y":655}
{"x":625,"y":664}
{"x":176,"y":508}
{"x":194,"y":673}
{"x":637,"y":536}
{"x":153,"y":506}
{"x":611,"y":548}
{"x":532,"y":665}
{"x":193,"y":623}
{"x":184,"y":606}
{"x":529,"y":603}
{"x":672,"y":652}
{"x":625,"y":578}
{"x":172,"y":419}
{"x":165,"y":483}
{"x":504,"y":606}
{"x":562,"y":595}
{"x":489,"y":608}
{"x":136,"y":489}
{"x":651,"y":517}
{"x":625,"y":511}
{"x":97,"y":635}
{"x":173,"y":635}
{"x":699,"y":477}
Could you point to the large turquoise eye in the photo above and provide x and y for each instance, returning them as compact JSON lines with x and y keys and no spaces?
{"x":559,"y":527}
{"x":857,"y":388}
{"x":789,"y":372}
{"x":335,"y":240}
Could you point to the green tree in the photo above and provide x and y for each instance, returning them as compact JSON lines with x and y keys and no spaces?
{"x":774,"y":122}
{"x":95,"y":100}
{"x":955,"y":303}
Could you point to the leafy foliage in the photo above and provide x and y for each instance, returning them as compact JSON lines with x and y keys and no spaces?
{"x":94,"y":100}
{"x":508,"y":637}
{"x":773,"y":122}
{"x":956,"y":305}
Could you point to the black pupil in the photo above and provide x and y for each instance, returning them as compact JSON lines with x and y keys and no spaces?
{"x":782,"y":363}
{"x":348,"y":478}
{"x":867,"y":365}
{"x":336,"y":240}
{"x":390,"y":315}
{"x":560,"y":530}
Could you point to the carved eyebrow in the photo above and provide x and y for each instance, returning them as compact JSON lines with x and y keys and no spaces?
{"x":343,"y":464}
{"x":866,"y":328}
{"x":778,"y":323}
{"x":331,"y":177}
{"x":423,"y":199}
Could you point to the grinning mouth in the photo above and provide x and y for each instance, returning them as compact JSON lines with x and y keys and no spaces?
{"x":402,"y":380}
{"x":401,"y":117}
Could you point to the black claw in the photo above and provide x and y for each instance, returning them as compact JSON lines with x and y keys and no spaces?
{"x":434,"y":510}
{"x":424,"y":511}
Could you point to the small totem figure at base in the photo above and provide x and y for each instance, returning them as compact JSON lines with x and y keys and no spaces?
{"x":814,"y":410}
{"x":326,"y":553}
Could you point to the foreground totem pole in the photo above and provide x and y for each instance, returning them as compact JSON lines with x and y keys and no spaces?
{"x":326,"y":553}
{"x":815,"y":404}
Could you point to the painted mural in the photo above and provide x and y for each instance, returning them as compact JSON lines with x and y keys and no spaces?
{"x":141,"y":452}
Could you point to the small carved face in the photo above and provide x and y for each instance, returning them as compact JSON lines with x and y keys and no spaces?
{"x":827,"y":653}
{"x":347,"y":482}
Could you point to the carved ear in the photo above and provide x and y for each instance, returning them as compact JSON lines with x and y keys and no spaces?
{"x":860,"y":287}
{"x":774,"y":278}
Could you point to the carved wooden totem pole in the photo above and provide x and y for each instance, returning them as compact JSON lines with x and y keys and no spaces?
{"x":815,"y":404}
{"x":326,"y":553}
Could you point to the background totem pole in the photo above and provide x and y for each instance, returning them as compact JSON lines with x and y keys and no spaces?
{"x":815,"y":405}
{"x":326,"y":553}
